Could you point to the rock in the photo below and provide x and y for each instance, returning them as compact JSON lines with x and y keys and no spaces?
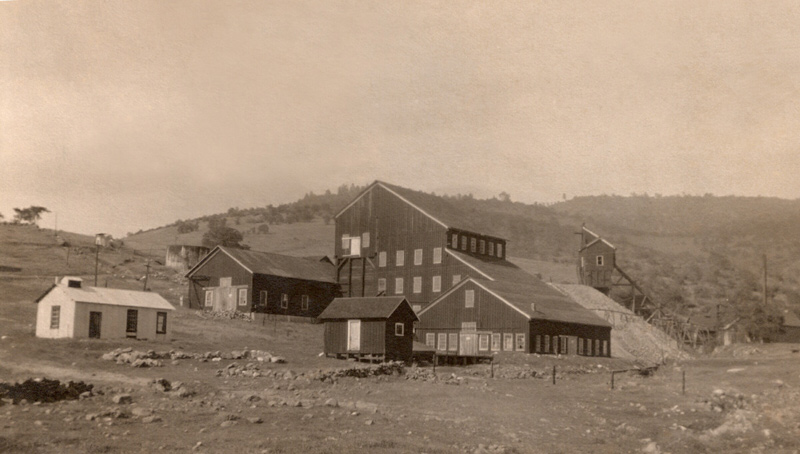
{"x":122,"y":399}
{"x":276,"y":359}
{"x":197,"y":446}
{"x":255,"y":420}
{"x":369,"y":422}
{"x":151,"y":419}
{"x":366,"y":406}
{"x":227,"y":423}
{"x":141,"y":412}
{"x":651,"y":448}
{"x":331,"y":402}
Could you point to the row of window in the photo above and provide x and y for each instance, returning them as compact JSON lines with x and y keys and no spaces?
{"x":448,"y":342}
{"x":560,"y":344}
{"x":242,"y":299}
{"x":399,"y":282}
{"x":400,"y":257}
{"x":131,"y":320}
{"x":476,"y":246}
{"x":598,"y":261}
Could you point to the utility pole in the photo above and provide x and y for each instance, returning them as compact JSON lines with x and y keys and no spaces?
{"x":146,"y":274}
{"x":96,"y":260}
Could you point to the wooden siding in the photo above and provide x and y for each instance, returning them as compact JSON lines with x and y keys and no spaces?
{"x":373,"y":337}
{"x":595,"y":275}
{"x":320,"y":294}
{"x":114,"y":321}
{"x":221,"y":265}
{"x":571,"y":331}
{"x":400,"y":348}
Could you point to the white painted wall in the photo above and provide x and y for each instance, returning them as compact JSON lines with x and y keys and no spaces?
{"x":67,"y":322}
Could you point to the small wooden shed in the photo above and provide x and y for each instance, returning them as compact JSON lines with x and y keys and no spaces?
{"x":372,"y":327}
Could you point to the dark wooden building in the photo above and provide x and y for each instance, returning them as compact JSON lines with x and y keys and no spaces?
{"x":597,"y":261}
{"x":229,"y":279}
{"x":375,"y":327}
{"x":790,"y":328}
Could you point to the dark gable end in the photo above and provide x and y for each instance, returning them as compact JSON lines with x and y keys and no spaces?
{"x":363,"y":308}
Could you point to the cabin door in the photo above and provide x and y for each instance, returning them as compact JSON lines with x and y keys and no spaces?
{"x":468,"y":344}
{"x":353,"y":335}
{"x":95,"y":319}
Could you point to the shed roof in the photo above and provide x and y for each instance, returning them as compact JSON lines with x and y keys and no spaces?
{"x":435,"y":207}
{"x":112,"y":296}
{"x":274,"y":264}
{"x":360,"y":308}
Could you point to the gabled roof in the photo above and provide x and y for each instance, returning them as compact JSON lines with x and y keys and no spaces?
{"x":436,"y":208}
{"x":360,"y":308}
{"x":597,"y":238}
{"x":273,"y":264}
{"x":111,"y":296}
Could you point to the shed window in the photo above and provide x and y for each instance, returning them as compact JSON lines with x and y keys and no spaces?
{"x":417,"y":256}
{"x":564,"y":343}
{"x":469,"y":298}
{"x":346,"y":243}
{"x":161,"y":323}
{"x":400,"y":258}
{"x":500,"y":250}
{"x":599,"y":260}
{"x":437,"y":283}
{"x":597,"y":347}
{"x":437,"y":255}
{"x":482,"y":247}
{"x":382,"y":259}
{"x":555,"y":344}
{"x":491,"y":248}
{"x":452,"y":344}
{"x":263,"y":298}
{"x":399,"y":329}
{"x":538,"y":343}
{"x":454,"y":241}
{"x":382,"y":284}
{"x":508,"y":342}
{"x":605,"y":348}
{"x":483,"y":342}
{"x":365,"y":239}
{"x":242,"y":297}
{"x":495,"y":342}
{"x":580,"y":346}
{"x":546,"y":343}
{"x":398,"y":285}
{"x":55,"y":317}
{"x":209,"y":298}
{"x":225,"y":281}
{"x":520,"y":342}
{"x":456,"y":279}
{"x":304,"y":303}
{"x":472,"y":245}
{"x":430,"y":340}
{"x":132,"y":321}
{"x":417,"y":284}
{"x":442,"y":342}
{"x":284,"y":301}
{"x":463,"y":243}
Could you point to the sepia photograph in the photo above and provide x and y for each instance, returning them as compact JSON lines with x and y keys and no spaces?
{"x":359,"y":226}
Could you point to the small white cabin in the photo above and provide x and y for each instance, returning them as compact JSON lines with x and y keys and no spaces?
{"x":68,"y":309}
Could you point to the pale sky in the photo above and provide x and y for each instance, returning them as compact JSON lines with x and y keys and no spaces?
{"x":121,"y":115}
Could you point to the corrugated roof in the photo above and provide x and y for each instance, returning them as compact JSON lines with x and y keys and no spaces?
{"x":116,"y":297}
{"x":276,"y":265}
{"x":369,"y":307}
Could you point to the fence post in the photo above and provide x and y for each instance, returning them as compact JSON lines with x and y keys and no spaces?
{"x":612,"y":379}
{"x":435,"y":360}
{"x":491,"y":366}
{"x":683,"y":382}
{"x":554,"y":374}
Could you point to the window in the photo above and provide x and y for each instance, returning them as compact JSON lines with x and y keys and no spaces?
{"x":469,"y":298}
{"x":417,"y":284}
{"x":580,"y":346}
{"x":472,"y":243}
{"x":365,"y":239}
{"x":469,"y":326}
{"x":345,"y":243}
{"x":546,"y":343}
{"x":482,"y":247}
{"x":491,"y":248}
{"x":437,"y":255}
{"x":284,"y":301}
{"x":564,"y":345}
{"x":520,"y":342}
{"x":225,"y":281}
{"x":430,"y":340}
{"x":597,"y":347}
{"x":132,"y":321}
{"x":209,"y":298}
{"x":495,"y":342}
{"x":463,"y":243}
{"x":382,"y":259}
{"x":454,"y":241}
{"x":161,"y":323}
{"x":483,"y":342}
{"x":538,"y":343}
{"x":242,"y":297}
{"x":599,"y":260}
{"x":399,"y":329}
{"x":416,"y":307}
{"x":304,"y":303}
{"x":263,"y":299}
{"x":500,"y":250}
{"x":442,"y":342}
{"x":398,"y":286}
{"x":417,"y":256}
{"x":382,"y":284}
{"x":555,"y":344}
{"x":456,"y":279}
{"x":437,"y":283}
{"x":452,"y":344}
{"x":400,"y":258}
{"x":55,"y":317}
{"x":605,"y":348}
{"x":508,"y":342}
{"x":588,"y":347}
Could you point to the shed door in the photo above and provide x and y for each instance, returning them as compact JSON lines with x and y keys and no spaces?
{"x":95,"y":319}
{"x":468,"y":344}
{"x":354,"y":335}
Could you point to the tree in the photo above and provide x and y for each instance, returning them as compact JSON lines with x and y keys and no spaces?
{"x":504,"y":197}
{"x":31,"y":215}
{"x":221,"y":235}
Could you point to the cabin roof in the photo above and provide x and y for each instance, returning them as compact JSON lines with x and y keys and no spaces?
{"x":111,"y":296}
{"x":361,"y":308}
{"x":274,"y":264}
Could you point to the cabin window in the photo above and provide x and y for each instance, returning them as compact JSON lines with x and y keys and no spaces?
{"x":452,"y":344}
{"x":365,"y":239}
{"x":382,"y":259}
{"x":456,"y":279}
{"x":209,"y":298}
{"x":55,"y":317}
{"x":437,"y":283}
{"x":508,"y":342}
{"x":225,"y":281}
{"x":482,"y":247}
{"x":132,"y":321}
{"x":564,"y":343}
{"x":398,"y":285}
{"x":469,"y":298}
{"x":263,"y":298}
{"x":242,"y":297}
{"x":442,"y":343}
{"x":284,"y":301}
{"x":417,"y":284}
{"x":437,"y":255}
{"x":546,"y":343}
{"x":538,"y":343}
{"x":520,"y":342}
{"x":495,"y":342}
{"x":472,"y":245}
{"x":399,"y":329}
{"x":417,"y":256}
{"x":463,"y":243}
{"x":491,"y":248}
{"x":400,"y":258}
{"x":381,"y":284}
{"x":416,"y":307}
{"x":500,"y":250}
{"x":430,"y":340}
{"x":304,"y":302}
{"x":161,"y":323}
{"x":483,"y":342}
{"x":599,"y":260}
{"x":605,"y":348}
